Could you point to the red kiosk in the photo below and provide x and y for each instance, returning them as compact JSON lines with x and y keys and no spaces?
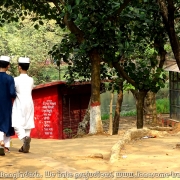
{"x":59,"y":108}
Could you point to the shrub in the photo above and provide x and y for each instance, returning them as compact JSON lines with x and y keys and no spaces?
{"x":162,"y":105}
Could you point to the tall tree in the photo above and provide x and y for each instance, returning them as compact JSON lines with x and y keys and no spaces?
{"x":91,"y":25}
{"x":127,"y":35}
{"x":118,"y":86}
{"x":139,"y":67}
{"x":22,"y":39}
{"x":169,"y":10}
{"x":101,"y":31}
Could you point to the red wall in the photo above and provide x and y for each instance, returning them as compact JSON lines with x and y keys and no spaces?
{"x":74,"y":106}
{"x":47,"y":115}
{"x":59,"y":109}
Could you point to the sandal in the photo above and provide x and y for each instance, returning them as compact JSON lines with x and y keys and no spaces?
{"x":6,"y":149}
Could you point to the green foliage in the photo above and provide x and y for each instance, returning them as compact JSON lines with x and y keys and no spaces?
{"x":67,"y":130}
{"x":55,"y":73}
{"x":123,"y":114}
{"x":21,"y":39}
{"x":145,"y":76}
{"x":162,"y":105}
{"x":167,"y":47}
{"x":164,"y":92}
{"x":130,"y":37}
{"x":128,"y":113}
{"x":104,"y":117}
{"x":128,"y":86}
{"x":134,"y":34}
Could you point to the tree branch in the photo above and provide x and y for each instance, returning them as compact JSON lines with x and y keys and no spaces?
{"x":160,"y":48}
{"x":171,"y":10}
{"x":69,"y":23}
{"x":162,"y":53}
{"x":74,"y":29}
{"x":122,"y":7}
{"x":62,"y":2}
{"x":121,"y":71}
{"x":164,"y":10}
{"x":168,"y":19}
{"x":56,"y":4}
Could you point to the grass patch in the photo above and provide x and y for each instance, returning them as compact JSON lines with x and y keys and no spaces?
{"x":123,"y":113}
{"x":104,"y":117}
{"x":128,"y":113}
{"x":162,"y":105}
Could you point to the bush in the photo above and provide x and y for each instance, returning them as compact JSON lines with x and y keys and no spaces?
{"x":162,"y":105}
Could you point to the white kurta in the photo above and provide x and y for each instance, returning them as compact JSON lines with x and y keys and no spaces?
{"x":23,"y":107}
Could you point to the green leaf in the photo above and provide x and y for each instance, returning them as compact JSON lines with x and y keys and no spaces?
{"x":80,"y":16}
{"x":126,"y":44}
{"x":78,"y":2}
{"x":69,"y":8}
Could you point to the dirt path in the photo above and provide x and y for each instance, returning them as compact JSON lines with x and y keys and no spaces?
{"x":69,"y":159}
{"x":151,"y":157}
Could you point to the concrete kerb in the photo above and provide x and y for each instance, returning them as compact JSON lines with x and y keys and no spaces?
{"x":129,"y":136}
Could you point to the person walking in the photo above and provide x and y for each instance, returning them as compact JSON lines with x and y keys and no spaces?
{"x":7,"y":94}
{"x":23,"y":107}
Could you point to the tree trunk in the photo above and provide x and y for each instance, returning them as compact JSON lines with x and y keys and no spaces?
{"x":118,"y":109}
{"x":154,"y":110}
{"x":110,"y":113}
{"x":95,"y":108}
{"x":150,"y":107}
{"x":140,"y":96}
{"x":82,"y":126}
{"x":167,"y":10}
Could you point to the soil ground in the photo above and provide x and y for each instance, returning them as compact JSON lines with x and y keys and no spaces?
{"x":88,"y":158}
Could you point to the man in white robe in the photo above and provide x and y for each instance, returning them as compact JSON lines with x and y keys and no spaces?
{"x":23,"y":107}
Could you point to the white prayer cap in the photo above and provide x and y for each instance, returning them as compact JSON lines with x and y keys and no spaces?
{"x":5,"y":58}
{"x":24,"y":60}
